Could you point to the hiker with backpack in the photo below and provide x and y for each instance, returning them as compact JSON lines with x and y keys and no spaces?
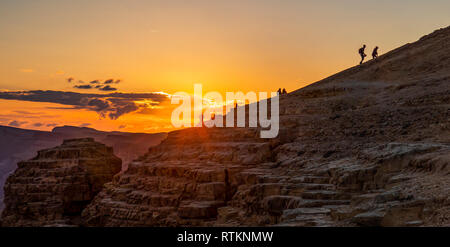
{"x":361,"y":52}
{"x":375,"y":52}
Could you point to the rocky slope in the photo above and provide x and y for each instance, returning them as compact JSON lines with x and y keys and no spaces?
{"x":21,"y":144}
{"x":369,"y":146}
{"x":55,"y":186}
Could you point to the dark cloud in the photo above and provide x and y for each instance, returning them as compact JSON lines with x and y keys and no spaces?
{"x":38,"y":124}
{"x":83,"y":86}
{"x":110,"y":81}
{"x":108,"y":88}
{"x":98,"y":104}
{"x":16,"y":123}
{"x":123,"y":110}
{"x":112,"y":105}
{"x":98,"y":84}
{"x":52,"y":125}
{"x":122,"y":126}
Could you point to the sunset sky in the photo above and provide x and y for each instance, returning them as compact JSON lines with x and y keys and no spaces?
{"x":166,"y":46}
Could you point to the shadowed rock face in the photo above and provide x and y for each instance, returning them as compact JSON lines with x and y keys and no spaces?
{"x":369,"y":146}
{"x":55,"y":186}
{"x":183,"y":181}
{"x":366,"y":147}
{"x":21,"y":144}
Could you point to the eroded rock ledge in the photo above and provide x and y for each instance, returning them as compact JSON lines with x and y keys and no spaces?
{"x":55,"y":186}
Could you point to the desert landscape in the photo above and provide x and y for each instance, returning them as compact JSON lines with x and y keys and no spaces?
{"x":369,"y":146}
{"x":22,"y":144}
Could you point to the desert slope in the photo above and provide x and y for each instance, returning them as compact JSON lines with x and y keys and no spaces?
{"x":369,"y":146}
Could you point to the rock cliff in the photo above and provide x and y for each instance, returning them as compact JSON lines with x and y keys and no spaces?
{"x":21,"y":144}
{"x":55,"y":186}
{"x":369,"y":146}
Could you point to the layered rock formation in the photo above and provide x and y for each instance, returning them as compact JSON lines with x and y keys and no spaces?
{"x":369,"y":146}
{"x":55,"y":186}
{"x":21,"y":144}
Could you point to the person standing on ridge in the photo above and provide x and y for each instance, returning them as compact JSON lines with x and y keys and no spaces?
{"x":375,"y":52}
{"x":361,"y":52}
{"x":284,"y":91}
{"x":279,"y":91}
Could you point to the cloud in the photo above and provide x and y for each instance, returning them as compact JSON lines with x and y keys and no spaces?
{"x":98,"y":104}
{"x":122,"y":126}
{"x":83,"y":86}
{"x":123,"y":110}
{"x":108,"y":88}
{"x":110,"y":81}
{"x":16,"y":123}
{"x":38,"y":124}
{"x":52,"y":125}
{"x":98,"y":84}
{"x":111,"y":105}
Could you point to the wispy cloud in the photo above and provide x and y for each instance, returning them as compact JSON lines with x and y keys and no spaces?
{"x":83,"y":86}
{"x":108,"y":88}
{"x":96,"y":84}
{"x":16,"y":123}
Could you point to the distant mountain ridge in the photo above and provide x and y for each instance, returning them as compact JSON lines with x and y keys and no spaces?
{"x":21,"y":144}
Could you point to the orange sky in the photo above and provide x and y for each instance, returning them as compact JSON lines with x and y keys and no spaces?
{"x":167,"y":46}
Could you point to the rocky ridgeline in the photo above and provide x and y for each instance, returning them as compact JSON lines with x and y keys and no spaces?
{"x":183,"y":181}
{"x":55,"y":186}
{"x":366,"y":147}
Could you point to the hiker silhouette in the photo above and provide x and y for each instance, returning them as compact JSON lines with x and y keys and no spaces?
{"x":279,"y":91}
{"x":375,"y":52}
{"x":361,"y":52}
{"x":284,"y":91}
